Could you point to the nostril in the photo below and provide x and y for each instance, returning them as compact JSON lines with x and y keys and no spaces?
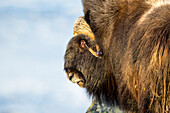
{"x":70,"y":76}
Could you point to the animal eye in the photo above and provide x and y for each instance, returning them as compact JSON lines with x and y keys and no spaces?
{"x":83,"y":44}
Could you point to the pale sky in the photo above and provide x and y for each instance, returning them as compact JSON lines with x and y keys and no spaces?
{"x":33,"y":38}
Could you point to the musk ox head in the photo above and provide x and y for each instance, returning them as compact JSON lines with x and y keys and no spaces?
{"x":79,"y":62}
{"x":84,"y":68}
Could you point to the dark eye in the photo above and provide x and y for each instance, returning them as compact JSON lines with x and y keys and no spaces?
{"x":87,"y":17}
{"x":83,"y":44}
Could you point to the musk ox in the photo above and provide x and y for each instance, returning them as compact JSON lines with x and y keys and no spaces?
{"x":134,"y":69}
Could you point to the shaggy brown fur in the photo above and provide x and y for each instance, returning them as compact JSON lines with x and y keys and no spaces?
{"x":134,"y":72}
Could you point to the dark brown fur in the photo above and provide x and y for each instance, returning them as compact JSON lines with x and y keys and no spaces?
{"x":134,"y":71}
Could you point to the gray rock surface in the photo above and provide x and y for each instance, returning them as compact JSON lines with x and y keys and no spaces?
{"x":97,"y":108}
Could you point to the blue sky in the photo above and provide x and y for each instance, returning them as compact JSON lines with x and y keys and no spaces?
{"x":33,"y":39}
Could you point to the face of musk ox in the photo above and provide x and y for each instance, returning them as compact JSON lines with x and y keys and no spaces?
{"x":80,"y":65}
{"x":86,"y":70}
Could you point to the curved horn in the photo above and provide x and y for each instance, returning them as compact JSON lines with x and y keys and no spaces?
{"x":81,"y":27}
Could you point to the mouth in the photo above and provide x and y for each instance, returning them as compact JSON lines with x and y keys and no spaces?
{"x":75,"y":76}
